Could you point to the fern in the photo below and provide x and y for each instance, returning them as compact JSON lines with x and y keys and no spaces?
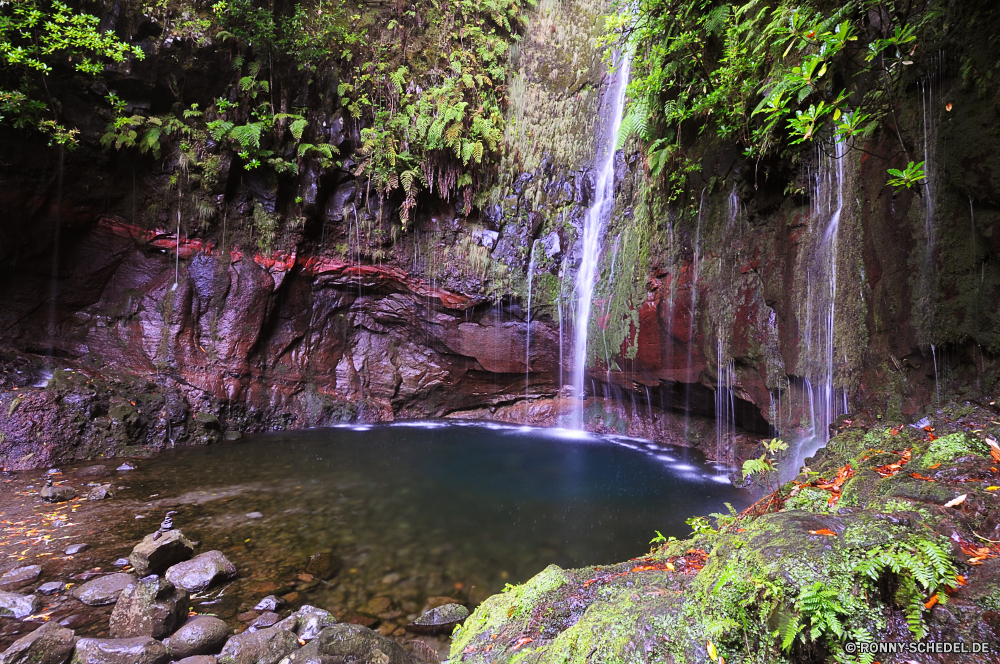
{"x":248,"y":135}
{"x":297,"y":127}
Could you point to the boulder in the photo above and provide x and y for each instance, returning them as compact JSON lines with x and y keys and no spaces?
{"x":266,"y":646}
{"x":269,"y":603}
{"x":159,"y":551}
{"x":57,"y":493}
{"x":18,"y":606}
{"x":323,"y":565}
{"x":103,"y":590}
{"x":200,"y":635}
{"x":51,"y":588}
{"x":92,"y":471}
{"x":149,"y":607}
{"x":20,"y":577}
{"x":312,"y":621}
{"x":49,"y":644}
{"x":137,"y":650}
{"x":101,"y":492}
{"x":439,"y":620}
{"x":354,"y":643}
{"x":201,"y":571}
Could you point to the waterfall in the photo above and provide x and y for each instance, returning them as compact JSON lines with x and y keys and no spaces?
{"x":821,"y":303}
{"x":693,"y":311}
{"x":725,"y":404}
{"x":594,"y":226}
{"x":527,"y":326}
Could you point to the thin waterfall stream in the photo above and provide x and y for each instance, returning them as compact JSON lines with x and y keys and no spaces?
{"x":594,"y":226}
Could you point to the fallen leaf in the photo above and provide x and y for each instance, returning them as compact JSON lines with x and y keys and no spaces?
{"x":994,"y":449}
{"x":921,"y":477}
{"x":931,"y":602}
{"x":937,"y":465}
{"x":520,"y":642}
{"x":931,"y":436}
{"x":823,"y":531}
{"x":992,"y":488}
{"x":947,"y":107}
{"x":712,"y":652}
{"x":958,"y":500}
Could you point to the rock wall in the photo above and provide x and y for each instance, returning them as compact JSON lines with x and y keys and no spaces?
{"x":347,"y":318}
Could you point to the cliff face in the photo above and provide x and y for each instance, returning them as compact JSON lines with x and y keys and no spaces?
{"x":343,"y":316}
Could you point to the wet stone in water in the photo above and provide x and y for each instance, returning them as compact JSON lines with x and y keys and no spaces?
{"x":57,"y":493}
{"x":439,"y":620}
{"x":18,"y":606}
{"x":200,"y":635}
{"x":150,"y":607}
{"x":323,"y":565}
{"x":20,"y":577}
{"x":263,"y":621}
{"x":201,"y":571}
{"x":76,"y":548}
{"x":49,"y":644}
{"x":103,"y":590}
{"x":269,"y":603}
{"x":311,"y":621}
{"x":158,"y":551}
{"x":101,"y":492}
{"x":51,"y":588}
{"x":254,"y":515}
{"x":137,"y":650}
{"x":266,"y":646}
{"x":92,"y":471}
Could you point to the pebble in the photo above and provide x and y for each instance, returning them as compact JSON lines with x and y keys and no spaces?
{"x":76,"y":548}
{"x":265,"y":620}
{"x":269,"y":603}
{"x":254,"y":515}
{"x":121,"y":562}
{"x":50,"y":588}
{"x":125,"y":466}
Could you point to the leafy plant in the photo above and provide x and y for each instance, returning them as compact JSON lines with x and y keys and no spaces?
{"x":765,"y":467}
{"x":910,"y":176}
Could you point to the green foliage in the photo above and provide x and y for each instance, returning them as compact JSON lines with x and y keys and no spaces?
{"x":910,"y":176}
{"x":35,"y":35}
{"x":766,"y":74}
{"x":954,"y":446}
{"x":765,"y":467}
{"x":922,"y":567}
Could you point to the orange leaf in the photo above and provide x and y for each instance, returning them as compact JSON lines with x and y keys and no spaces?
{"x":931,"y":436}
{"x":921,"y":477}
{"x":823,"y":531}
{"x":894,"y":432}
{"x":934,"y":466}
{"x":520,"y":642}
{"x":931,"y":602}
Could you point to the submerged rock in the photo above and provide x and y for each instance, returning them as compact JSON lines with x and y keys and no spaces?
{"x":323,"y":565}
{"x":149,"y":607}
{"x":20,"y":577}
{"x":159,"y":551}
{"x":18,"y":606}
{"x":49,"y":644}
{"x":51,"y":588}
{"x":312,"y":621}
{"x":57,"y":493}
{"x":200,"y":635}
{"x":101,"y":492}
{"x":354,"y":643}
{"x":201,"y":571}
{"x":440,"y":620}
{"x":92,"y":471}
{"x":137,"y":650}
{"x":103,"y":590}
{"x":266,"y":646}
{"x":269,"y":603}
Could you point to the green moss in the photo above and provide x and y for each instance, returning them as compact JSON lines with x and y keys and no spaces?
{"x":954,"y":446}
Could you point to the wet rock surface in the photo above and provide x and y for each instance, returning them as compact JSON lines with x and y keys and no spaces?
{"x":49,"y":644}
{"x":201,"y":571}
{"x":20,"y":577}
{"x":17,"y":605}
{"x":160,"y":550}
{"x":354,"y":642}
{"x":267,"y":646}
{"x":103,"y":590}
{"x":439,"y":620}
{"x":150,"y":607}
{"x":200,"y":635}
{"x":137,"y":650}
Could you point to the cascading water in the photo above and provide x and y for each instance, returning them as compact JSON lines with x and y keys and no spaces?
{"x":527,"y":326}
{"x":594,"y":226}
{"x":725,"y":405}
{"x":821,"y":300}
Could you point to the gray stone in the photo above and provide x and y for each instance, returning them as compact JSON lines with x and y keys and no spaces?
{"x":92,"y":471}
{"x":51,"y":588}
{"x":197,"y":659}
{"x":254,"y":515}
{"x":149,"y":607}
{"x":264,"y":620}
{"x":18,"y":606}
{"x":138,"y":650}
{"x":153,"y":555}
{"x":269,"y":603}
{"x":125,"y":467}
{"x":49,"y":644}
{"x":354,"y":643}
{"x":20,"y":577}
{"x":57,"y":493}
{"x":323,"y":565}
{"x":266,"y":646}
{"x":201,"y":571}
{"x":103,"y":590}
{"x":288,"y":624}
{"x":200,"y":635}
{"x":312,"y":621}
{"x":101,"y":492}
{"x":439,"y":620}
{"x":551,"y":244}
{"x":76,"y":548}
